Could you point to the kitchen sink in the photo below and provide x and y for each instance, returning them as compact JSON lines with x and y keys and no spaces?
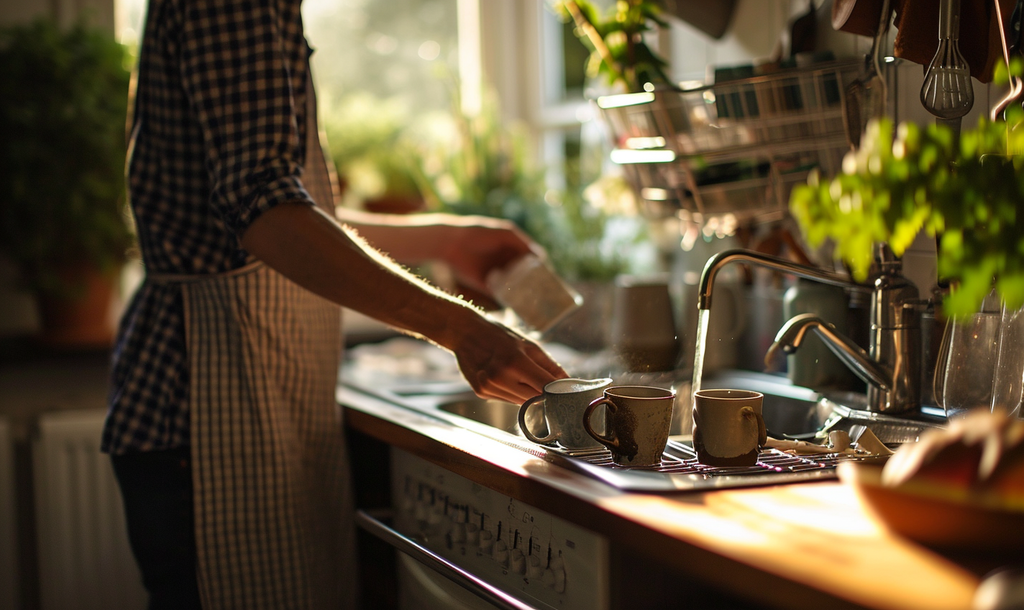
{"x":790,"y":412}
{"x":495,"y":413}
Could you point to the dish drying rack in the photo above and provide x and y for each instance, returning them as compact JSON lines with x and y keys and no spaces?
{"x":680,"y":470}
{"x":681,"y":458}
{"x":736,"y":147}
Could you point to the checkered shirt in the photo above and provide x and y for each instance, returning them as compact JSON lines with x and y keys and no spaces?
{"x":217,"y":138}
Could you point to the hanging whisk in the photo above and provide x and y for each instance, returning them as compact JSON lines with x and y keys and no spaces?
{"x":947,"y":92}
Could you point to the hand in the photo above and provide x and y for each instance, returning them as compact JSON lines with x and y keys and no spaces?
{"x":503,"y":364}
{"x":478,"y":245}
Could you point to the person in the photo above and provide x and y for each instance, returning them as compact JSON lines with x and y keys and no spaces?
{"x":224,"y":433}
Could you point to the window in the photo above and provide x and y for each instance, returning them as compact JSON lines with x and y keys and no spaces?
{"x":399,"y":49}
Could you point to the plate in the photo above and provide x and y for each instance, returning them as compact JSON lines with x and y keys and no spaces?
{"x":935,"y":516}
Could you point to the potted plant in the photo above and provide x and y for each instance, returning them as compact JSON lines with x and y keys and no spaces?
{"x":618,"y":52}
{"x":967,"y":192}
{"x":62,"y":187}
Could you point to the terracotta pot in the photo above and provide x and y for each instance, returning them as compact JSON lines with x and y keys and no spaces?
{"x":84,"y":320}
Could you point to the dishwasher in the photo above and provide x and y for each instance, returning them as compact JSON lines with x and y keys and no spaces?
{"x":465,"y":546}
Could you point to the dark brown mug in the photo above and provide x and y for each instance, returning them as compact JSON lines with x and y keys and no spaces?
{"x":638,"y":419}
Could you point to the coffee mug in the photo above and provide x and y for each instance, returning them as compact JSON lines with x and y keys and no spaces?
{"x":728,"y":428}
{"x":637,"y":420}
{"x":564,"y":401}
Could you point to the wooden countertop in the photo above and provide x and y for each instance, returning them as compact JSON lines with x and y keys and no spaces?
{"x":796,"y":545}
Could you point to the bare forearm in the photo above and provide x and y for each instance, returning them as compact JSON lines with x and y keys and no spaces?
{"x":408,"y":238}
{"x":347,"y":272}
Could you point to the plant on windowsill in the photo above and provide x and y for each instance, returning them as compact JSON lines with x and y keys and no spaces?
{"x":969,"y":194}
{"x":485,"y":167}
{"x":619,"y":55}
{"x":63,"y":217}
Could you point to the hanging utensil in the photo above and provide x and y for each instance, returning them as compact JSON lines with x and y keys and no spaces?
{"x":866,"y":95}
{"x":803,"y":32}
{"x":948,"y":92}
{"x":1016,"y":84}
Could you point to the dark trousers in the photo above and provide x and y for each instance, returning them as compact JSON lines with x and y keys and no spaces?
{"x":157,"y":490}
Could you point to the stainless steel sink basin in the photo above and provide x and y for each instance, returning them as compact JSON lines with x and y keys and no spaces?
{"x":495,"y":413}
{"x":789,"y":411}
{"x":796,"y":412}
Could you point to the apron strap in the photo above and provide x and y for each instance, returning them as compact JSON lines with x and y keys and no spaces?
{"x":193,"y":278}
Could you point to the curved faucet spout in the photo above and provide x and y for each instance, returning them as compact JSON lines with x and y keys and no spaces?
{"x":719,"y":260}
{"x":792,"y":334}
{"x":891,"y":365}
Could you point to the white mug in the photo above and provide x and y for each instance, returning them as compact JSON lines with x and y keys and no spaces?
{"x":728,"y":427}
{"x":564,"y":401}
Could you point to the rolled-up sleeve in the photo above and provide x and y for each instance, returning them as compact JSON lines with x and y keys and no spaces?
{"x":246,"y":78}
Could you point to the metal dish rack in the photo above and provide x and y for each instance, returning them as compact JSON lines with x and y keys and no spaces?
{"x":680,"y":458}
{"x":680,"y":471}
{"x":732,"y":148}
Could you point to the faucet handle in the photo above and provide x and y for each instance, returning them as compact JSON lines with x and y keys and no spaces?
{"x":885,"y":257}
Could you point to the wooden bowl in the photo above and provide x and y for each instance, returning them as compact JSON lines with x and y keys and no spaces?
{"x":937,"y":516}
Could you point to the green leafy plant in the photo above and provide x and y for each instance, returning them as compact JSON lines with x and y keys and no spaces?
{"x":372,"y":149}
{"x":62,"y":116}
{"x":968,"y":193}
{"x":486,"y":167}
{"x":618,"y":51}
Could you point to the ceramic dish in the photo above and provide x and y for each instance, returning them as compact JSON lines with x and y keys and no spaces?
{"x":935,"y":517}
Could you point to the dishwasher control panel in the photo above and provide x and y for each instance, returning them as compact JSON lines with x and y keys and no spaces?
{"x":541,"y":559}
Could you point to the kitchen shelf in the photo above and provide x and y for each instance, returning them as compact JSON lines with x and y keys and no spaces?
{"x":736,"y":147}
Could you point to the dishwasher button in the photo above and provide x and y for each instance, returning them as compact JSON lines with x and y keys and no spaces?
{"x":486,"y":542}
{"x":548,"y":578}
{"x":557,"y":572}
{"x":459,"y":533}
{"x":501,"y":553}
{"x":534,"y":571}
{"x":518,"y":561}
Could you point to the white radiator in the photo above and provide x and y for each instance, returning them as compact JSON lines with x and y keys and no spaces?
{"x":9,"y":574}
{"x":84,"y":559}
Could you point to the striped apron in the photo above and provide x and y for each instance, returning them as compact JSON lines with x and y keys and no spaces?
{"x":273,"y":508}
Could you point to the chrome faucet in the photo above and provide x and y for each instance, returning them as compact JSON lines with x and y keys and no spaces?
{"x":892,"y":364}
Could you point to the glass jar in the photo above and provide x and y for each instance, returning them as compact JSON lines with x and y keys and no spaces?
{"x":1008,"y":381}
{"x":967,"y":361}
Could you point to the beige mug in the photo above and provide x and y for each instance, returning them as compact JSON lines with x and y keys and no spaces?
{"x":728,"y":427}
{"x":564,"y":401}
{"x":637,"y":420}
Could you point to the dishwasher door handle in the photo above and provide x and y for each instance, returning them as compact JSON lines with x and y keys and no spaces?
{"x":439,"y":564}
